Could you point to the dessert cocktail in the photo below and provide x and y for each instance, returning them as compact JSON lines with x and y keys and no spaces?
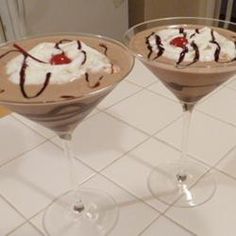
{"x":192,"y":57}
{"x":56,"y":81}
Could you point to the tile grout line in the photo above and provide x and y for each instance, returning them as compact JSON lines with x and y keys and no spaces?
{"x":143,"y":86}
{"x":216,"y":118}
{"x":149,"y":225}
{"x":23,"y":153}
{"x":19,"y":213}
{"x":149,"y":136}
{"x":170,"y":219}
{"x":123,"y":99}
{"x":26,"y":222}
{"x":28,"y":126}
{"x":99,"y":172}
{"x":213,"y":167}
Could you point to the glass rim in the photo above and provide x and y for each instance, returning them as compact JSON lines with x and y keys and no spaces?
{"x":126,"y":39}
{"x":83,"y":96}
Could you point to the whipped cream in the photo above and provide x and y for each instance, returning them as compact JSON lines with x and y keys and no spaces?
{"x":64,"y":73}
{"x":202,"y":38}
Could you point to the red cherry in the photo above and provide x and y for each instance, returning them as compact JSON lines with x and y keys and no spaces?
{"x":60,"y":59}
{"x":179,"y":42}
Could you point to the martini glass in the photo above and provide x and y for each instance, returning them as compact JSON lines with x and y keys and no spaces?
{"x":174,"y":183}
{"x":78,"y":211}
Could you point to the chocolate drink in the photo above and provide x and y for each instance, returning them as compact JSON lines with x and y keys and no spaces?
{"x":191,"y":60}
{"x":57,"y":80}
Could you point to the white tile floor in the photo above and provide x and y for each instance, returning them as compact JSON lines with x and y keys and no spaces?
{"x":134,"y":129}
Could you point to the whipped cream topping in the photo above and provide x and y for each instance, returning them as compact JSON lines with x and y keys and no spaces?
{"x":202,"y":45}
{"x":83,"y":60}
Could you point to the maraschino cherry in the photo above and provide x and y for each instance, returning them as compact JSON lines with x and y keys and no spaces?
{"x":179,"y":42}
{"x":60,"y":59}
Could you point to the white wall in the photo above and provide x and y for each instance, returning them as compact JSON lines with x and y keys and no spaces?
{"x":106,"y":17}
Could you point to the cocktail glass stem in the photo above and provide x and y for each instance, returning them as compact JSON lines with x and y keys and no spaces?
{"x":187,"y":115}
{"x":78,"y":206}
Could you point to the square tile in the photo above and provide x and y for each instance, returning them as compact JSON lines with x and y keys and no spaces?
{"x":16,"y":138}
{"x":132,"y":171}
{"x":32,"y":181}
{"x":10,"y":219}
{"x":221,"y":105}
{"x":102,"y":139}
{"x":26,"y":230}
{"x":147,"y":111}
{"x":47,"y":133}
{"x":122,"y":91}
{"x":134,"y":215}
{"x":209,"y":139}
{"x":228,"y":163}
{"x":215,"y":217}
{"x":141,"y":76}
{"x":165,"y":227}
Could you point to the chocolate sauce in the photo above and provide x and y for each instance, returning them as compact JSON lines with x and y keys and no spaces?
{"x":181,"y":31}
{"x":159,"y":46}
{"x":149,"y":47}
{"x":22,"y":81}
{"x":67,"y":96}
{"x":196,"y":56}
{"x":85,"y":57}
{"x":196,"y":32}
{"x":60,"y":42}
{"x":24,"y":66}
{"x":79,"y":45}
{"x":112,"y":69}
{"x":8,"y":52}
{"x":218,"y":49}
{"x":182,"y":55}
{"x":104,"y":47}
{"x":180,"y":87}
{"x":27,"y":54}
{"x":96,"y":84}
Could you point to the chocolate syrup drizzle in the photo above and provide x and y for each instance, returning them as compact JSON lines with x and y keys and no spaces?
{"x":24,"y":66}
{"x":180,"y":87}
{"x":57,"y":45}
{"x":159,"y":46}
{"x":104,"y":47}
{"x":185,"y":49}
{"x":27,"y":54}
{"x":181,"y":31}
{"x":182,"y":55}
{"x":94,"y":85}
{"x":85,"y":57}
{"x":149,"y":47}
{"x":67,"y":96}
{"x":8,"y":52}
{"x":218,"y":48}
{"x":22,"y":81}
{"x":196,"y":32}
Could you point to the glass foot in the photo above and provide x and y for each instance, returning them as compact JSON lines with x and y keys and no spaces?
{"x":180,"y":188}
{"x":87,"y":212}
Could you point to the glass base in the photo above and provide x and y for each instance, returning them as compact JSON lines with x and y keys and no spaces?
{"x":87,"y":212}
{"x":180,"y":188}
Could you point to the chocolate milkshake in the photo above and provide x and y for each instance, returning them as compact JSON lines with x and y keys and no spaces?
{"x":57,"y":80}
{"x":191,"y":60}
